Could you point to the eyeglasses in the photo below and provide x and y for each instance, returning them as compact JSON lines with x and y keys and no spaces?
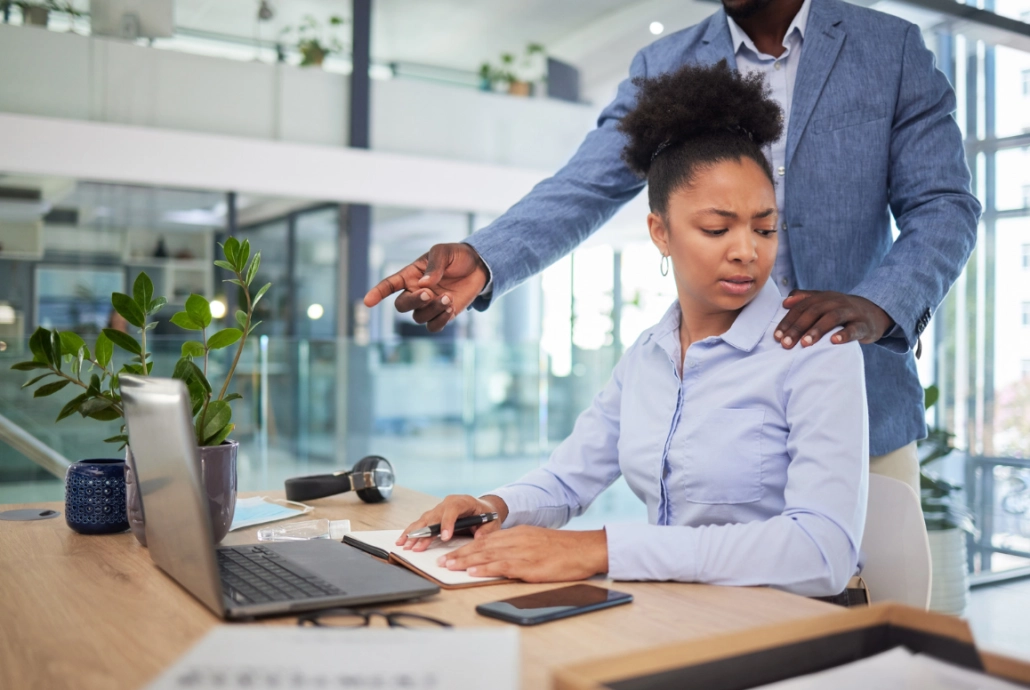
{"x":352,"y":618}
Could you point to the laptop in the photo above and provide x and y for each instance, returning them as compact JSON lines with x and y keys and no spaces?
{"x":235,"y":582}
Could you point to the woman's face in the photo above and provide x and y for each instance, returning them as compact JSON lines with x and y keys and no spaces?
{"x":720,"y":233}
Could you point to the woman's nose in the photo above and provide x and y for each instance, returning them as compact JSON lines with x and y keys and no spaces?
{"x":743,"y":248}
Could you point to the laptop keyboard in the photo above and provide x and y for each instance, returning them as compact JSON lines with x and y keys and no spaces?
{"x":255,"y":575}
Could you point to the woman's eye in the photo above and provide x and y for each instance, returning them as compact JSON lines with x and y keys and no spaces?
{"x":765,"y":232}
{"x":714,"y":233}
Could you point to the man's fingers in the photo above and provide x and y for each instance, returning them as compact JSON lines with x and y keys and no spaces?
{"x":437,"y":323}
{"x":438,"y":258}
{"x":850,"y":332}
{"x":794,"y":297}
{"x":386,"y":287}
{"x":827,"y":322}
{"x":797,"y":321}
{"x":429,"y":311}
{"x":413,"y":299}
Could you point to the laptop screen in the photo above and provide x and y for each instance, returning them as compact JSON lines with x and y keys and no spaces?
{"x":167,"y":466}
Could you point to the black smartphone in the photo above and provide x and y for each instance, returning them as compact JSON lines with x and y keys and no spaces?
{"x":531,"y":609}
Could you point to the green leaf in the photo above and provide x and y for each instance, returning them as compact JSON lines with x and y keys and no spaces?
{"x":36,"y":344}
{"x":260,"y":293}
{"x":151,"y":326}
{"x":223,"y":434}
{"x":253,"y":326}
{"x":198,"y":396}
{"x":199,"y":310}
{"x":103,"y":349}
{"x":37,"y":379}
{"x":50,"y":388}
{"x":127,"y":307}
{"x":156,"y":305}
{"x":252,"y":271}
{"x":95,"y":405}
{"x":123,"y":340}
{"x":46,"y":346}
{"x":55,"y":349}
{"x":234,"y":281}
{"x":231,"y":247}
{"x":121,"y":438}
{"x":186,"y":370}
{"x":71,"y":342}
{"x":243,"y":256}
{"x":72,"y":407}
{"x":132,"y":368}
{"x":224,"y":338}
{"x":191,"y":348}
{"x":217,"y":416}
{"x":224,"y":264}
{"x":108,"y":415}
{"x":241,"y":318}
{"x":94,"y":385}
{"x":232,"y":396}
{"x":184,"y":320}
{"x":29,"y":366}
{"x":143,"y":291}
{"x":930,"y":396}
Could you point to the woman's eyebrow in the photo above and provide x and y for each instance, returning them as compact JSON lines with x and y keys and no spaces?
{"x":730,"y":214}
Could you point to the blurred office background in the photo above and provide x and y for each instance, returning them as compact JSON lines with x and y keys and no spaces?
{"x":134,"y":136}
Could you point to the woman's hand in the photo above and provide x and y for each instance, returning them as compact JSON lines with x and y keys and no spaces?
{"x":449,"y":510}
{"x":532,"y":554}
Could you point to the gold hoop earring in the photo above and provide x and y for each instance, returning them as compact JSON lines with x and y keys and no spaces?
{"x":664,"y":266}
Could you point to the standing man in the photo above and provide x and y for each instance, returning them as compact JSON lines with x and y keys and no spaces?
{"x":869,"y":132}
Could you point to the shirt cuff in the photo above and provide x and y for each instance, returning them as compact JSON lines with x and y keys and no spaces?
{"x":482,"y":301}
{"x":517,"y":502}
{"x":646,"y":552}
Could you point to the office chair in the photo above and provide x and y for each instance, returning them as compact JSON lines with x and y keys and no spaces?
{"x":896,"y":550}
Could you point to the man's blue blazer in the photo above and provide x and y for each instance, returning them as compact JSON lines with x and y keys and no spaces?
{"x":871,"y":132}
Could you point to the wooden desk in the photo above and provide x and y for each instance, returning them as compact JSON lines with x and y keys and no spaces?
{"x":95,"y":612}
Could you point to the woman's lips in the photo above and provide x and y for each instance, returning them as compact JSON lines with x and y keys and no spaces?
{"x":737,"y":286}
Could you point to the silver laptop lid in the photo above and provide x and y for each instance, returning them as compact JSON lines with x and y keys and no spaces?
{"x":167,"y":466}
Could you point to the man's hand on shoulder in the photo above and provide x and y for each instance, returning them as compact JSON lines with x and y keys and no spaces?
{"x":438,"y":285}
{"x":815,"y":313}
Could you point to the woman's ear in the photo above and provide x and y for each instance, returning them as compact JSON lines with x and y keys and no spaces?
{"x":659,"y":233}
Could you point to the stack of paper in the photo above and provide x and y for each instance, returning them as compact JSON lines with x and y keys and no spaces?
{"x":259,"y":657}
{"x":898,"y":669}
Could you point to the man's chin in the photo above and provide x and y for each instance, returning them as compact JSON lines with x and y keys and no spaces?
{"x":743,"y":9}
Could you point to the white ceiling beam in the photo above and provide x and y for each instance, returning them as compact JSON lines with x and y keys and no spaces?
{"x":143,"y":156}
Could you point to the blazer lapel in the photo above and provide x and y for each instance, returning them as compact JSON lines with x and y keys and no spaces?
{"x":822,"y":43}
{"x":717,"y":44}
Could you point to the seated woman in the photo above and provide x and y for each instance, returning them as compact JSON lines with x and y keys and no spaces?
{"x":752,"y":459}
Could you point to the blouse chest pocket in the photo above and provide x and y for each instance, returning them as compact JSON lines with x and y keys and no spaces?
{"x":722,"y":457}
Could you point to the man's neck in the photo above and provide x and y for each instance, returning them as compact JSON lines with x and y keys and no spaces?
{"x":768,"y":27}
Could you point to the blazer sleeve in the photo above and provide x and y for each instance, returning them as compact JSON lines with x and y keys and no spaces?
{"x":930,"y":198}
{"x":563,"y":210}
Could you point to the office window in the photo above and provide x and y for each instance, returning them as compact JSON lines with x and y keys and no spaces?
{"x":1026,"y":257}
{"x":1026,"y":83}
{"x":1026,"y":313}
{"x":1026,"y":196}
{"x":1026,"y":368}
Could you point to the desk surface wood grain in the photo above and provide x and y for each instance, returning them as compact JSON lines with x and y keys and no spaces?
{"x":95,"y":612}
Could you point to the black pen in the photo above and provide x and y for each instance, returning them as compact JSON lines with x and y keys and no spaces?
{"x":460,"y":524}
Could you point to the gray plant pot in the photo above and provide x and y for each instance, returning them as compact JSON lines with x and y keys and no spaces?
{"x":218,"y":474}
{"x":35,"y":16}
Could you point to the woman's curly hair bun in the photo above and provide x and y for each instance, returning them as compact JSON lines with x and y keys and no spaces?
{"x":698,"y":102}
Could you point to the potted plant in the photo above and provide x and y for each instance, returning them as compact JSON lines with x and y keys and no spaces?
{"x":67,"y":360}
{"x":312,"y":42}
{"x":516,"y":77}
{"x":948,"y":521}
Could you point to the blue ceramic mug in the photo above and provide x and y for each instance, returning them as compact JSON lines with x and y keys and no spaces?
{"x":94,"y":497}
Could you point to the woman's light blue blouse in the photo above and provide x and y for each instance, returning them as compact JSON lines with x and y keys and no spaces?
{"x":753,"y":461}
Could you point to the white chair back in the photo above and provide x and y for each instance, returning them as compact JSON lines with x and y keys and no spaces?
{"x":895,"y":548}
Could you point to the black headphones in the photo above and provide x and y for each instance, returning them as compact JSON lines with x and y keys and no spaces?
{"x":372,"y":479}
